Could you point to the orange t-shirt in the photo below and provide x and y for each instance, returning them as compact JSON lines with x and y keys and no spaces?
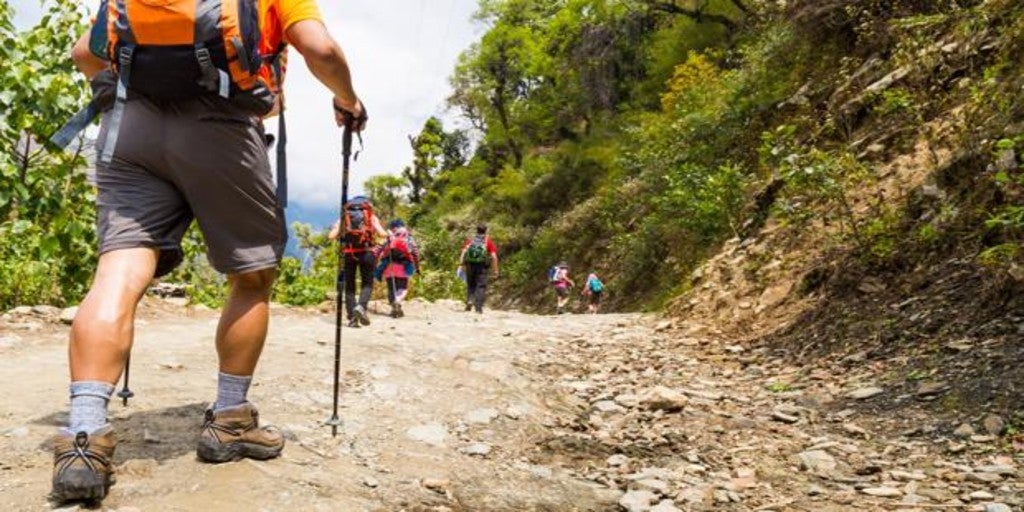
{"x":277,"y":15}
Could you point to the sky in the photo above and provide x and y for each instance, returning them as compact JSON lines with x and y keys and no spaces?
{"x":401,"y":53}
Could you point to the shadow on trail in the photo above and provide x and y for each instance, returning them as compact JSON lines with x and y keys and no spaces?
{"x":160,"y":434}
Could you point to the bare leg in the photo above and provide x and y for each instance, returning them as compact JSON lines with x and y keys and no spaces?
{"x":243,"y":323}
{"x":231,"y":429}
{"x":103,"y":331}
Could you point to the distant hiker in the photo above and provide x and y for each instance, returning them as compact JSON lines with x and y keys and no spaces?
{"x":558,"y":276}
{"x":479,"y":255}
{"x":361,"y":230}
{"x":593,"y":290}
{"x":399,"y":260}
{"x":181,"y":137}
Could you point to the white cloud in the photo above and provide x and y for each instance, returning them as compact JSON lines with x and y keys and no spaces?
{"x":401,"y":53}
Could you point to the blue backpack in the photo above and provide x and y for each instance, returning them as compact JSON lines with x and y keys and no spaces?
{"x":596,"y":286}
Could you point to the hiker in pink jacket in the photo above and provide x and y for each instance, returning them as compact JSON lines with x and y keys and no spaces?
{"x":399,"y":259}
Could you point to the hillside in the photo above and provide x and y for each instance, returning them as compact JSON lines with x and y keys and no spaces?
{"x":836,"y":184}
{"x":636,"y":138}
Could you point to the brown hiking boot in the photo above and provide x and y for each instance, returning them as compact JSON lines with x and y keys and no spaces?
{"x":234,"y":433}
{"x":82,"y":469}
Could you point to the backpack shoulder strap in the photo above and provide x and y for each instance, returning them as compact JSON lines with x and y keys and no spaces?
{"x":282,"y":156}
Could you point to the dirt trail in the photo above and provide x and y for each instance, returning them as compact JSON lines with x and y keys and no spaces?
{"x":449,"y":411}
{"x":419,"y":394}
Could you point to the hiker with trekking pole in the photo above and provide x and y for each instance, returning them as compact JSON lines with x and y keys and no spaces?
{"x":399,"y":260}
{"x":479,"y":257}
{"x":182,"y":88}
{"x":358,"y":230}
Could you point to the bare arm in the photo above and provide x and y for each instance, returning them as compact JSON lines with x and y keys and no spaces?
{"x":84,"y":60}
{"x":379,"y":228}
{"x":326,"y":60}
{"x":335,"y":231}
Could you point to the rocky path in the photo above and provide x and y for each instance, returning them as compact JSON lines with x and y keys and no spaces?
{"x":682,"y":420}
{"x":449,"y":411}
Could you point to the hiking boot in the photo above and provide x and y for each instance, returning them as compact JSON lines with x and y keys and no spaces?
{"x":353,"y":323}
{"x":469,"y":307}
{"x":360,"y":313}
{"x":234,"y":433}
{"x":398,"y":310}
{"x":82,"y":469}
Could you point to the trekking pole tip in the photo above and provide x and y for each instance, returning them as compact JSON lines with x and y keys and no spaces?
{"x":334,"y":423}
{"x":124,"y":395}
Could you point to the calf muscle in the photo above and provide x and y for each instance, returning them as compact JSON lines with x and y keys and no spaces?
{"x":102,"y":333}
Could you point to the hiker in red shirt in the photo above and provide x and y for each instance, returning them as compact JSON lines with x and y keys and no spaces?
{"x":479,"y":254}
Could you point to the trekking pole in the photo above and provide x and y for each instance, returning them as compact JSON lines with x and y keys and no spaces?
{"x":126,"y":393}
{"x":346,"y":154}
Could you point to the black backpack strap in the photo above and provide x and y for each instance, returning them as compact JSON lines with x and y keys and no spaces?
{"x":282,"y":160}
{"x":124,"y":72}
{"x":76,"y":125}
{"x":282,"y":142}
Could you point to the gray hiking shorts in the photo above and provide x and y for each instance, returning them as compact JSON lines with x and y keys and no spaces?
{"x":203,"y":159}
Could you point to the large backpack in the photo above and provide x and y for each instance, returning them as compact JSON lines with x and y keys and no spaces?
{"x":553,"y":274}
{"x":556,"y":274}
{"x":477,"y":252}
{"x":398,"y":248}
{"x":359,"y":223}
{"x":181,"y":49}
{"x":172,"y":50}
{"x":596,"y":286}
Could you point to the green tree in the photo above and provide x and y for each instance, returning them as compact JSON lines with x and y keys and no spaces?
{"x":427,"y":148}
{"x":385,"y":191}
{"x":307,"y":281}
{"x":565,"y":101}
{"x":454,"y":150}
{"x":46,"y":203}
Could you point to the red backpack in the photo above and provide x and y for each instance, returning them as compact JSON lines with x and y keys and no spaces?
{"x":359,"y":223}
{"x":398,"y":248}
